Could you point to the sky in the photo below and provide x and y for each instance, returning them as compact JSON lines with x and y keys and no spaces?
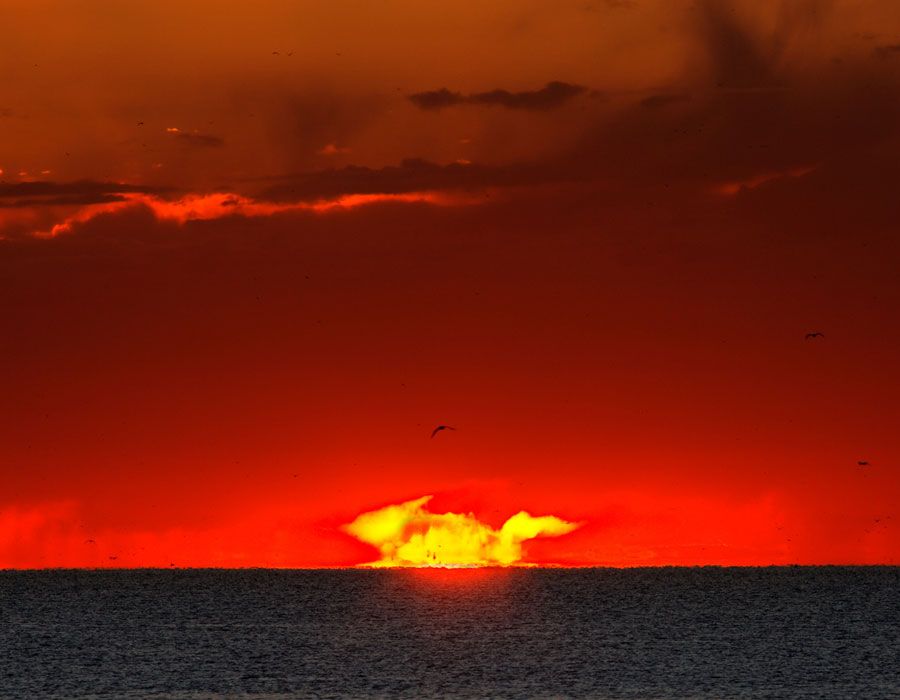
{"x":253,"y":253}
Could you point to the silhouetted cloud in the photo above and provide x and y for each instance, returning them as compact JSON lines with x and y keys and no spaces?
{"x":43,"y":193}
{"x":746,"y":113}
{"x":60,"y":201}
{"x":553,"y":94}
{"x":437,"y":99}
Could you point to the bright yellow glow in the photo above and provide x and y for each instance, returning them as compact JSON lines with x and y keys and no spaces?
{"x":409,"y":535}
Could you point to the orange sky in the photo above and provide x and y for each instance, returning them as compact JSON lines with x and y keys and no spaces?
{"x":240,"y":287}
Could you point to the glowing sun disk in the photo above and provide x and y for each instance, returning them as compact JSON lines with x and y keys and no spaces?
{"x":407,"y":534}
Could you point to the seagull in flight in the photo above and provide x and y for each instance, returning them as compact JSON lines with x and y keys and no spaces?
{"x":813,"y":335}
{"x":863,"y":463}
{"x":440,"y":428}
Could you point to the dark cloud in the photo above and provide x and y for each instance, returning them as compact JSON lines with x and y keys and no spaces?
{"x":742,"y":116}
{"x":554,"y":94}
{"x":27,"y":194}
{"x":437,"y":99}
{"x":761,"y":101}
{"x":747,"y":114}
{"x":737,"y":58}
{"x":60,"y":201}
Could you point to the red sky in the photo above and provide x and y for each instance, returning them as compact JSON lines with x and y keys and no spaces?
{"x":240,"y":288}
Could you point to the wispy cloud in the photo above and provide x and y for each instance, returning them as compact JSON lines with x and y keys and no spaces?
{"x":733,"y":187}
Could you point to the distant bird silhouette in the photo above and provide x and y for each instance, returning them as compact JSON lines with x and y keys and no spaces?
{"x":863,"y":463}
{"x":440,"y":428}
{"x":275,"y":53}
{"x":90,"y":542}
{"x":113,"y":558}
{"x":140,"y":123}
{"x":814,"y":335}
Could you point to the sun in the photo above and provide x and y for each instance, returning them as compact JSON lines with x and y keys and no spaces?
{"x":409,"y":535}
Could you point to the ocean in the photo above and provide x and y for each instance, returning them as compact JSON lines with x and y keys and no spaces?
{"x":778,"y":632}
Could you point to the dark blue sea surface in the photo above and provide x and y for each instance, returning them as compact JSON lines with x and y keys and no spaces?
{"x":804,"y":632}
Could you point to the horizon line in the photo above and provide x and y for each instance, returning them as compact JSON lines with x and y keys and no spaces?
{"x":541,"y":567}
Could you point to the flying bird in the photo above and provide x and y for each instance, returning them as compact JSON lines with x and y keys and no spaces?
{"x":863,"y":463}
{"x":814,"y":335}
{"x":140,"y":123}
{"x":440,"y":428}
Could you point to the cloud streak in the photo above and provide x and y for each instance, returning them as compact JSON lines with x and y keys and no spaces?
{"x":751,"y":183}
{"x":217,"y":205}
{"x":553,"y":95}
